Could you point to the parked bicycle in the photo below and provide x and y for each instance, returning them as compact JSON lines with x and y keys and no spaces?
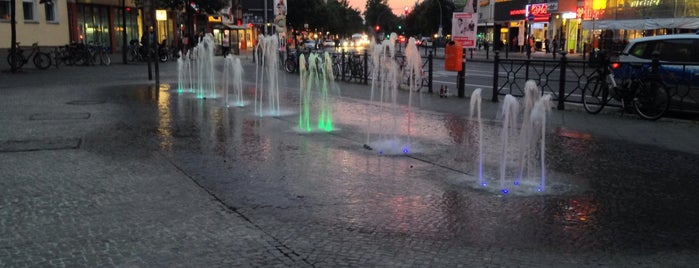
{"x":60,"y":55}
{"x":291,"y":62}
{"x":99,"y":54}
{"x":641,"y":88}
{"x":353,"y":67}
{"x":406,"y":76}
{"x":18,"y":59}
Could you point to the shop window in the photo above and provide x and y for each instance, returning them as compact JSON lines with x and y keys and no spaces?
{"x":28,"y":9}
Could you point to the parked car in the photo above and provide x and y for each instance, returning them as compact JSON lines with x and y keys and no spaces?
{"x":328,"y":43}
{"x":426,"y":42}
{"x":309,"y":44}
{"x":679,"y":61}
{"x":672,"y":48}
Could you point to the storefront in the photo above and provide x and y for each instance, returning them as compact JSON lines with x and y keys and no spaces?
{"x":102,"y":24}
{"x":610,"y":25}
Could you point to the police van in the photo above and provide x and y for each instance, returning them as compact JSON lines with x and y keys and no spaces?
{"x":679,"y":62}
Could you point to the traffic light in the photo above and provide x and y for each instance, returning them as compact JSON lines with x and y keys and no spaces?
{"x":377,"y":28}
{"x":406,"y":10}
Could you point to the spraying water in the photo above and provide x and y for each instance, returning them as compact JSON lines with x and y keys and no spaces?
{"x":385,"y":77}
{"x":538,"y":120}
{"x":510,"y":109}
{"x":531,"y":95}
{"x":316,"y":78}
{"x":325,"y":119}
{"x":227,"y":77}
{"x":204,"y":52}
{"x":238,"y":83}
{"x":475,"y":106}
{"x":267,"y":77}
{"x":309,"y":76}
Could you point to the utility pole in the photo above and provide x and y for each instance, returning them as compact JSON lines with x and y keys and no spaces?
{"x":13,"y":30}
{"x":123,"y":33}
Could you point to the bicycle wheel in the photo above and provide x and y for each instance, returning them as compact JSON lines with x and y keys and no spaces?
{"x":289,"y":65}
{"x":595,"y":94}
{"x":651,"y":101}
{"x":15,"y":60}
{"x":105,"y":59}
{"x":336,"y":71}
{"x":42,"y":60}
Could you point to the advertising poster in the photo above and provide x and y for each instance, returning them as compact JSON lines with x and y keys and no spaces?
{"x":463,"y":29}
{"x":280,"y":15}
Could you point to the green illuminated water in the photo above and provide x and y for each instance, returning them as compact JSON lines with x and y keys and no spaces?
{"x":315,"y":80}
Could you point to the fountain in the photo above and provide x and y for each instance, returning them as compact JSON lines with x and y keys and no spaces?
{"x":267,"y":76}
{"x":317,"y":76}
{"x":531,"y":134}
{"x":531,"y":95}
{"x":510,"y":109}
{"x":184,"y":73}
{"x":384,"y":92}
{"x":475,"y":106}
{"x":204,"y":56}
{"x":233,"y":78}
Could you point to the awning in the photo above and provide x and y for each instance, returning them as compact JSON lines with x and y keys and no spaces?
{"x":646,"y":24}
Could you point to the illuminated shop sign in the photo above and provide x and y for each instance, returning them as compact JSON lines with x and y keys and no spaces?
{"x":517,"y":12}
{"x":644,"y":3}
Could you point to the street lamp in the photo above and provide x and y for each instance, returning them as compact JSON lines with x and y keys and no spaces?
{"x":439,"y":31}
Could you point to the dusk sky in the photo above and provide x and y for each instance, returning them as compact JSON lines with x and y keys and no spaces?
{"x":396,"y":5}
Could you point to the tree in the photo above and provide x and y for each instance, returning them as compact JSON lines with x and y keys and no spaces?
{"x":424,"y":19}
{"x":377,"y":13}
{"x":336,"y":17}
{"x":203,"y":6}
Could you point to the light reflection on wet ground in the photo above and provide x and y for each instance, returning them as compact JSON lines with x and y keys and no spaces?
{"x":611,"y":196}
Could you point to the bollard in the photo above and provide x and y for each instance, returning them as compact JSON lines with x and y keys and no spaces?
{"x":366,"y":67}
{"x":429,"y":73}
{"x":461,"y":78}
{"x":496,"y":67}
{"x":562,"y":82}
{"x":342,"y":64}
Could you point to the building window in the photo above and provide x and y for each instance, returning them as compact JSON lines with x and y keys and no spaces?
{"x":28,"y":7}
{"x":50,"y":11}
{"x":4,"y":9}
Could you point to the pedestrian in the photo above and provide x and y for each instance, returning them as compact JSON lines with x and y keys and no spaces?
{"x":486,"y":45}
{"x":225,"y":44}
{"x":547,"y":45}
{"x":555,"y":44}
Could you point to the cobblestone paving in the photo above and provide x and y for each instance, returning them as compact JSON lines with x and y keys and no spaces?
{"x":164,"y":180}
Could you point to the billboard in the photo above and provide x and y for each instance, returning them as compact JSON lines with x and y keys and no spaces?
{"x":463,"y":29}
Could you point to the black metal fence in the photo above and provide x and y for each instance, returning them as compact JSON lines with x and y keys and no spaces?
{"x":564,"y":79}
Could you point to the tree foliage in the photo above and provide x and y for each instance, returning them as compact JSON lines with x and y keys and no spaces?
{"x":204,"y":6}
{"x":336,"y":17}
{"x":377,"y":12}
{"x":424,"y":19}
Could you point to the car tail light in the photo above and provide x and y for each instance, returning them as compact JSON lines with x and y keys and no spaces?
{"x":616,"y":65}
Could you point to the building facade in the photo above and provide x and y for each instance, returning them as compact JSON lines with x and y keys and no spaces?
{"x":44,"y":23}
{"x":580,"y":25}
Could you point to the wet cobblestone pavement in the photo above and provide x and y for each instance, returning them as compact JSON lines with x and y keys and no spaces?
{"x":164,"y":179}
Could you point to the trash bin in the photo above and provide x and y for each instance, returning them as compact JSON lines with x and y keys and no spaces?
{"x":453,"y":57}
